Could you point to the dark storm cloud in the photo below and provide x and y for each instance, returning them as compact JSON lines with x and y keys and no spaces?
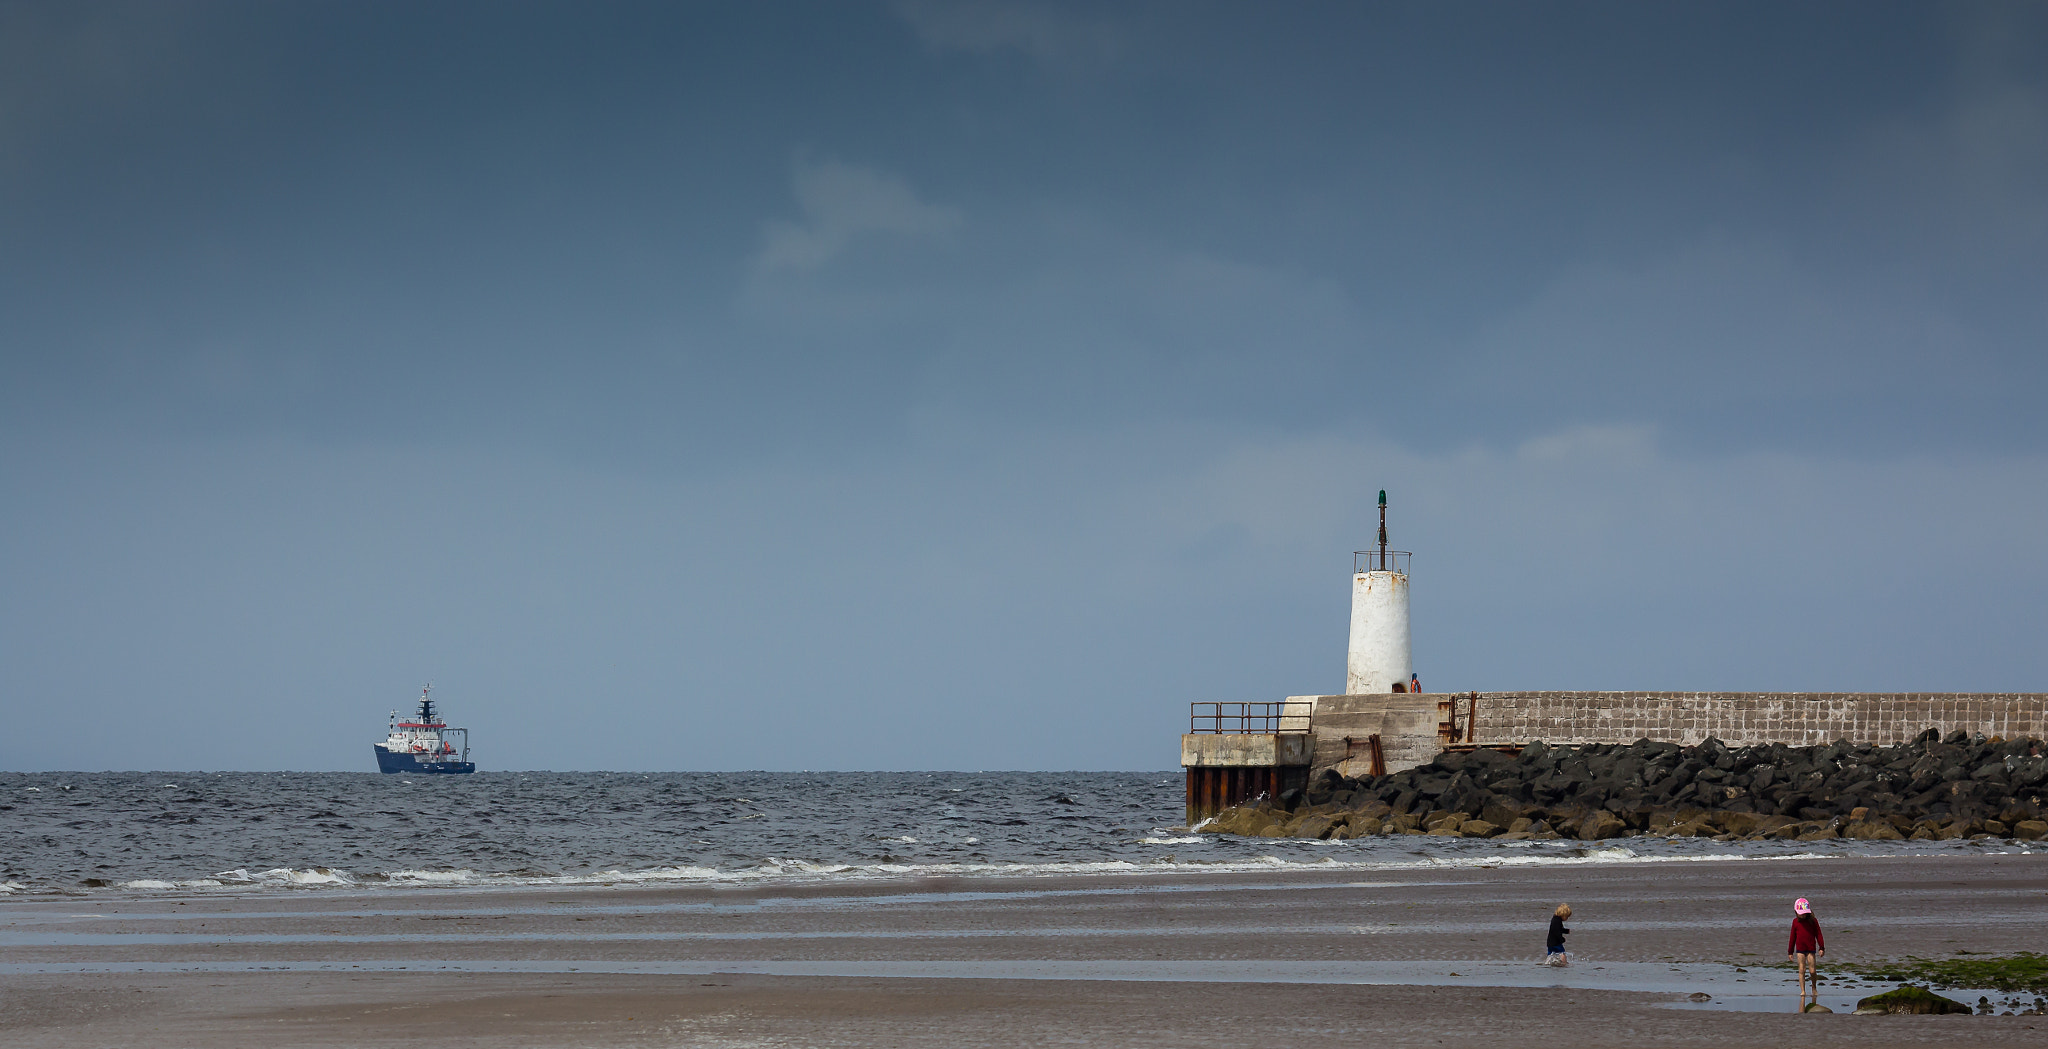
{"x":801,"y":361}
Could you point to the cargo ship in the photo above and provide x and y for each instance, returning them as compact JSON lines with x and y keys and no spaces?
{"x":422,"y":745}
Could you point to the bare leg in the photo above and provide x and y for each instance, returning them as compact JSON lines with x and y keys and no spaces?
{"x":1805,"y":963}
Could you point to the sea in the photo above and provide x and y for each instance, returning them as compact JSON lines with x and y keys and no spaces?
{"x":210,"y":832}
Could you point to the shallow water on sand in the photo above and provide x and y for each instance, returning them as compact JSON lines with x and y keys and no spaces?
{"x":202,"y":832}
{"x":1724,"y":989}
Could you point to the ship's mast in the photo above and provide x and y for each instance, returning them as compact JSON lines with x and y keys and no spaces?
{"x":426,"y":706}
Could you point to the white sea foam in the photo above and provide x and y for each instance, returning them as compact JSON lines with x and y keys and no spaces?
{"x":787,"y":869}
{"x":455,"y":877}
{"x":1170,"y":841}
{"x":781,"y":866}
{"x":653,"y":875}
{"x":285,"y":876}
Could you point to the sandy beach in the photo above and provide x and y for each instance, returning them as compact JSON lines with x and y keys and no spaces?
{"x":1418,"y":956}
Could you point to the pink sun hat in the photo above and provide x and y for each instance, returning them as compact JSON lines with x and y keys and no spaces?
{"x":1800,"y":906}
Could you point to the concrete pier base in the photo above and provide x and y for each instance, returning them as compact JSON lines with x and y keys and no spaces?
{"x":1226,"y":769}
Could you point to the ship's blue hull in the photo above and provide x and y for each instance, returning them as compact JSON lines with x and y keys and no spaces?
{"x":389,"y":762}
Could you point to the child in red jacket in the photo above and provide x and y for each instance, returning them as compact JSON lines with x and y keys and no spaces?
{"x":1806,"y":947}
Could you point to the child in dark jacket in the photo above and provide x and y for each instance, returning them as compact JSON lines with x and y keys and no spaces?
{"x":1554,"y":945}
{"x":1807,"y":948}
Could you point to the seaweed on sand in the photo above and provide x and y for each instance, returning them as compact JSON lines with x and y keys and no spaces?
{"x":1911,"y":1000}
{"x":2025,"y":971}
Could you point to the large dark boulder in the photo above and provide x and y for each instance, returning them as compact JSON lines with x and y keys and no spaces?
{"x":1501,"y":813}
{"x":1487,"y":759}
{"x":1872,"y":830}
{"x":1469,"y":800}
{"x":1635,"y":815}
{"x":1913,"y":1000}
{"x":1601,"y":825}
{"x":1993,"y":775}
{"x":1318,"y":826}
{"x":1375,"y":809}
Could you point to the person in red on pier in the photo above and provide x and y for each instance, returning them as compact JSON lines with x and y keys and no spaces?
{"x":1806,"y":947}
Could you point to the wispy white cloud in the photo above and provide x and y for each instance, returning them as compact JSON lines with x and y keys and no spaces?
{"x":842,"y":203}
{"x":985,"y":26}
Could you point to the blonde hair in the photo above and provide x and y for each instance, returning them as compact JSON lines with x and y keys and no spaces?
{"x":1564,"y":910}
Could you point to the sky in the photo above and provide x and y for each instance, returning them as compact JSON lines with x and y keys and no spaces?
{"x":930,"y":385}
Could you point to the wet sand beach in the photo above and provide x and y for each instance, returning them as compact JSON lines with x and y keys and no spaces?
{"x":1296,"y":957}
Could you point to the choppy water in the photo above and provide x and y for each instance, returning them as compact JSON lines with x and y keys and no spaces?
{"x":187,"y":831}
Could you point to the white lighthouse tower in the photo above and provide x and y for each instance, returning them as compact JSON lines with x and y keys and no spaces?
{"x":1379,"y":659}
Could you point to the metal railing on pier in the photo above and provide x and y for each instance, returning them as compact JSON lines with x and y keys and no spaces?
{"x":1287,"y":715}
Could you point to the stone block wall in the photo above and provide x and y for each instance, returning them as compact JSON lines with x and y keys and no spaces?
{"x":1407,"y":723}
{"x":1741,"y":718}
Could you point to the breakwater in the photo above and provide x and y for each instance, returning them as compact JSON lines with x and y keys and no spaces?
{"x":1933,"y":787}
{"x":1413,"y":727}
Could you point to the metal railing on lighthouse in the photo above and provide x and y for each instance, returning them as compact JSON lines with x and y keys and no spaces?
{"x":1379,"y":561}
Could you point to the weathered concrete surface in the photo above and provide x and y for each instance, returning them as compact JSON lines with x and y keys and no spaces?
{"x":1248,"y":750}
{"x":1407,"y":723}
